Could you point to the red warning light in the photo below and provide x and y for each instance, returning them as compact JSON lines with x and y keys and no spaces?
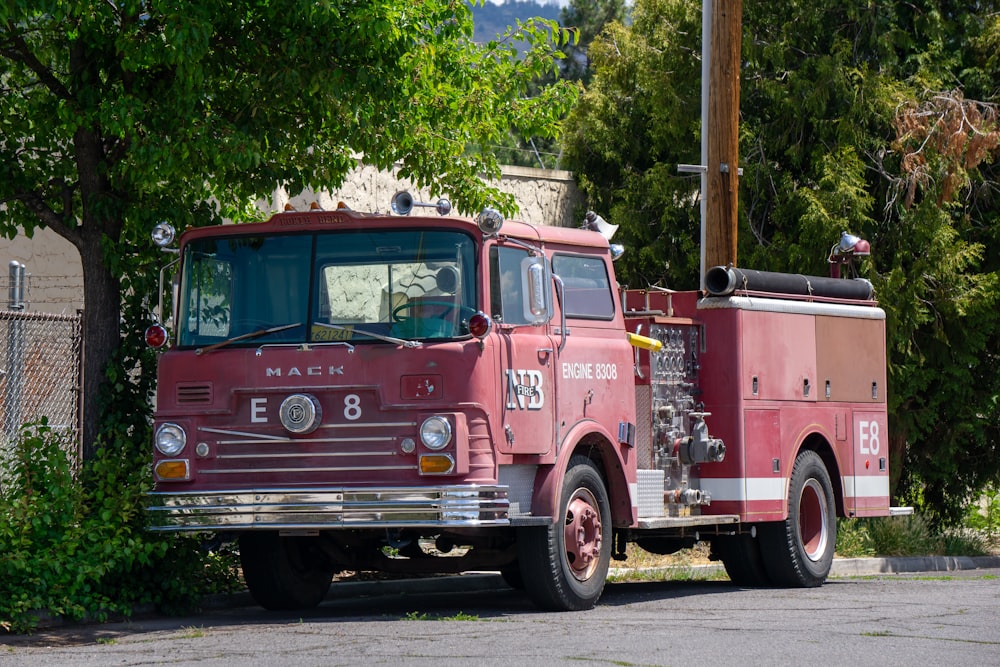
{"x":156,"y":336}
{"x":480,"y":325}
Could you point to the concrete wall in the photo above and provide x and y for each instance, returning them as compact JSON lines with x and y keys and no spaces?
{"x":55,"y":277}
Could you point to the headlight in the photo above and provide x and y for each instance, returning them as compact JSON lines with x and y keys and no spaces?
{"x":435,"y":432}
{"x":170,"y":439}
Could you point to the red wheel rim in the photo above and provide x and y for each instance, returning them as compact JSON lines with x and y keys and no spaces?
{"x":814,"y":524}
{"x":583,"y":534}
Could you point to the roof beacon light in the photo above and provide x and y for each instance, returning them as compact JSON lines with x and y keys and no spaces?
{"x":844,"y":252}
{"x":489,"y":221}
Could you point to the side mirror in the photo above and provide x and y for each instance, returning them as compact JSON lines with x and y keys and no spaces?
{"x":535,"y":279}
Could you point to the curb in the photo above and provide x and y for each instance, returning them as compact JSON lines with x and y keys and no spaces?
{"x":852,"y":567}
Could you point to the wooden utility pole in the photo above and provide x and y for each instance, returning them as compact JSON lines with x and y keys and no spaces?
{"x":722,"y":133}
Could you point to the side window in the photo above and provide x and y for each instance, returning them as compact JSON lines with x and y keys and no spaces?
{"x":506,"y":293}
{"x":209,"y":298}
{"x":588,"y":292}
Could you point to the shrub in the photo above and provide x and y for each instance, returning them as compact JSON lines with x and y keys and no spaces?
{"x":75,"y":546}
{"x":903,"y":536}
{"x":908,"y":536}
{"x":853,"y":540}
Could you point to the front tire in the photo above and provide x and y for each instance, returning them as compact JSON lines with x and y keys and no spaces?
{"x":565,"y":565}
{"x":284,"y":573}
{"x":798,"y":552}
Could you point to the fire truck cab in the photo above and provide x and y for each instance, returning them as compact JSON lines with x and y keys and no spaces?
{"x":352,"y":391}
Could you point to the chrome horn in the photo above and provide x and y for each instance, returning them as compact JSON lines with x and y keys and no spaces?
{"x":403,"y":203}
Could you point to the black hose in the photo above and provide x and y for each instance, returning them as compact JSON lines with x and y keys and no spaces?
{"x":723,"y":281}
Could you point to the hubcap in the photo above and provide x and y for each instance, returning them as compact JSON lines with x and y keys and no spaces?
{"x":813,"y":520}
{"x":583,"y":534}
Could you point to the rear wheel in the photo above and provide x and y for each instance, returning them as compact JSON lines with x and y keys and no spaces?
{"x":512,"y":576}
{"x":798,"y":552}
{"x":740,"y":555}
{"x":284,"y":572}
{"x":565,"y":565}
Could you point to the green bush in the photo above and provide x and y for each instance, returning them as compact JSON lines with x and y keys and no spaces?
{"x":853,"y":540}
{"x":984,"y":516}
{"x":903,"y":536}
{"x":907,"y":536}
{"x":73,"y":545}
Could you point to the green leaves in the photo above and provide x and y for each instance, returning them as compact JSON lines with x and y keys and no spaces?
{"x":115,"y":115}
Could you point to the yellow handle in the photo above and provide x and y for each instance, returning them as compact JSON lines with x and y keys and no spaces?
{"x":645,"y":343}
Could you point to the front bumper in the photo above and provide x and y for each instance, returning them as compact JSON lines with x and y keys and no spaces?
{"x":326,"y":508}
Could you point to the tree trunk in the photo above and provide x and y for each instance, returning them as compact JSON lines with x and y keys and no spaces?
{"x":101,"y":334}
{"x":897,"y":455}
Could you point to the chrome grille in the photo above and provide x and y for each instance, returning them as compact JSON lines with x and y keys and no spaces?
{"x":336,"y":448}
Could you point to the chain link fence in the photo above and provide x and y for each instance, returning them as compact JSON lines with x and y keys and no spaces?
{"x":40,"y":373}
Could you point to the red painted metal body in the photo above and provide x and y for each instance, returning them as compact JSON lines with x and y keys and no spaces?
{"x":356,"y":403}
{"x":780,"y":375}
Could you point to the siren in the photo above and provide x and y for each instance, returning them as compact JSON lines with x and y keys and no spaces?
{"x":403,"y":203}
{"x":596,"y":223}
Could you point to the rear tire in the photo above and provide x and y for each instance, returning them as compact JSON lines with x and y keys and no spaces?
{"x":512,"y":576}
{"x":284,"y":573}
{"x":798,"y":552}
{"x":565,"y":565}
{"x":741,"y":556}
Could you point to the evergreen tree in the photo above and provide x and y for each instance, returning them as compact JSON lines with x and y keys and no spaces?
{"x":875,"y":119}
{"x":588,"y":18}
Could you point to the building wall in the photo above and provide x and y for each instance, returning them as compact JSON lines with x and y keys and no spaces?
{"x":55,"y":278}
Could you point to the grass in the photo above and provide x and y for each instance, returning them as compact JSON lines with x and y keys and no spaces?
{"x":684,"y":565}
{"x":424,"y":616}
{"x":856,"y":538}
{"x":191,"y":633}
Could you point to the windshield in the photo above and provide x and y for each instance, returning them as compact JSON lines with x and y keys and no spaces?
{"x":338,"y":286}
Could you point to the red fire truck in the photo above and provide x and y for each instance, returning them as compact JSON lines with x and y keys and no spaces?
{"x":397,"y":393}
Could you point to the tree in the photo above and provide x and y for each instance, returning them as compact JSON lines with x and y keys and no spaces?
{"x":583,"y":20}
{"x":636,"y":121}
{"x":854,"y":117}
{"x":588,"y":18}
{"x":119,"y":114}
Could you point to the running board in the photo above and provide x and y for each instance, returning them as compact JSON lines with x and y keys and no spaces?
{"x":685,"y":521}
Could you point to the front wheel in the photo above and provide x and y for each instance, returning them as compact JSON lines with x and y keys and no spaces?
{"x":798,"y":552}
{"x":286,"y":573}
{"x":565,"y":565}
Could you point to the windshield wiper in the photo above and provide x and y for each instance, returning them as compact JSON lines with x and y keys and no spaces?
{"x":354,"y":329}
{"x":247,"y":336}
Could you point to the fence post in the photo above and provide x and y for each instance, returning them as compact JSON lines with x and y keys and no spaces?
{"x":14,"y":386}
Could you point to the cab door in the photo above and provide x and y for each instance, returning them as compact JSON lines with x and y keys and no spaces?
{"x":594,"y":365}
{"x":527,"y":353}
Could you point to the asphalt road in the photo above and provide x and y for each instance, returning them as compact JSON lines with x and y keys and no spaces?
{"x":938,"y":618}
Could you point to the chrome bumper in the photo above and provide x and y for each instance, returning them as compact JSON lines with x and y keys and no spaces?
{"x":324,"y":508}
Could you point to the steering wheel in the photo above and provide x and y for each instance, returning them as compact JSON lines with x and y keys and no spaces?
{"x":449,"y":306}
